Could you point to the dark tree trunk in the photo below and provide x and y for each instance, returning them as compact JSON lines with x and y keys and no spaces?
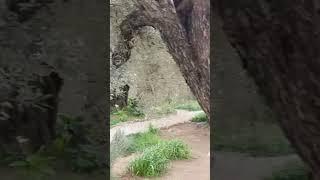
{"x":184,"y":29}
{"x":279,"y":44}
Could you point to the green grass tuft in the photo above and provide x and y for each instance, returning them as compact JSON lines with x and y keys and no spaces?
{"x":174,"y":149}
{"x":189,"y":106}
{"x":154,"y":160}
{"x":201,"y":117}
{"x":141,"y":141}
{"x":151,"y":163}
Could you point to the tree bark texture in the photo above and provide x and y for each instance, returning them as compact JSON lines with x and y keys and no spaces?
{"x":186,"y":33}
{"x":279,"y":44}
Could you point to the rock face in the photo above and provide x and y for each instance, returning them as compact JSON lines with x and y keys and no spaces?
{"x":151,"y":72}
{"x":59,"y":47}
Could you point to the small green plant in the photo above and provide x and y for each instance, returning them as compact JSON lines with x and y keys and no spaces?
{"x":131,"y":111}
{"x":154,"y":160}
{"x":292,"y":172}
{"x":133,"y":108}
{"x":201,"y":117}
{"x":152,"y":129}
{"x":189,"y":106}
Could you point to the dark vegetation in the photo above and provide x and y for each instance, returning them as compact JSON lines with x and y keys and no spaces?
{"x":71,"y":149}
{"x":292,"y":171}
{"x":262,"y":139}
{"x":35,"y":139}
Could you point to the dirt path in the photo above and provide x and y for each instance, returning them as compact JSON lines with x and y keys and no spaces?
{"x":227,"y":166}
{"x":135,"y":127}
{"x":236,"y":166}
{"x":198,"y":167}
{"x":198,"y":139}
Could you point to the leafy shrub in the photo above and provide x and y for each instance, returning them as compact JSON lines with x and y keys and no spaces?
{"x":82,"y":154}
{"x":72,"y":146}
{"x":133,"y":107}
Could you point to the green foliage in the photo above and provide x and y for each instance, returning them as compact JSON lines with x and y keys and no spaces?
{"x":155,"y":152}
{"x":153,"y":129}
{"x":132,"y":111}
{"x":174,"y":149}
{"x":36,"y":166}
{"x":122,"y":145}
{"x":86,"y":158}
{"x":154,"y":160}
{"x":292,"y":172}
{"x":73,"y":145}
{"x":141,"y":141}
{"x":201,"y":117}
{"x":71,"y":149}
{"x":133,"y":108}
{"x":189,"y":106}
{"x":150,"y":163}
